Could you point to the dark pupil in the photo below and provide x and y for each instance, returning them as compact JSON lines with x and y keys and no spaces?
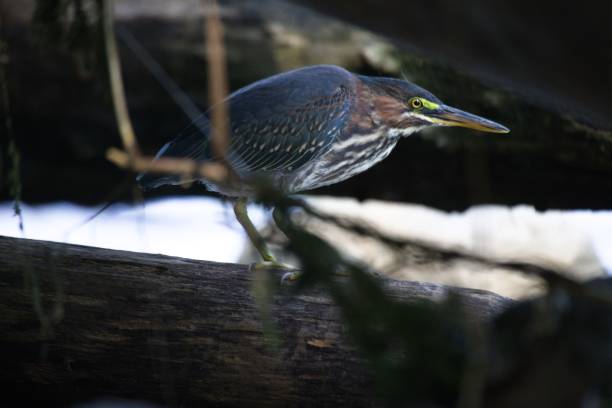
{"x":416,"y":103}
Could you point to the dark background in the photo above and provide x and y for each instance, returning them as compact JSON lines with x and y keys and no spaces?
{"x":540,"y":68}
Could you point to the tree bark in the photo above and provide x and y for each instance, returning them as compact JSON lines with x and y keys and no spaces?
{"x":80,"y":322}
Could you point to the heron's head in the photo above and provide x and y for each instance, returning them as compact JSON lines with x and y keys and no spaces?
{"x":406,"y":108}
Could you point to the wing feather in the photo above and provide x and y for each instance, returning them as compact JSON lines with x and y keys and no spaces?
{"x":277,"y":124}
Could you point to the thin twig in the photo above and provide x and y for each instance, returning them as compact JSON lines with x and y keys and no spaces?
{"x":473,"y":381}
{"x":131,"y":159}
{"x":217,"y":80}
{"x":179,"y":96}
{"x":214,"y":172}
{"x":114,"y":70}
{"x":14,"y":172}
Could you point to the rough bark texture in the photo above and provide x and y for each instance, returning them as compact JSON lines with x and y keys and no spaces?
{"x":79,"y":322}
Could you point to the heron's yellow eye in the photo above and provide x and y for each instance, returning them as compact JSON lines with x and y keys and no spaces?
{"x":416,"y":103}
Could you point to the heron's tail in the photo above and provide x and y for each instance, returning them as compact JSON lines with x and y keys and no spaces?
{"x":149,"y":181}
{"x":191,"y":144}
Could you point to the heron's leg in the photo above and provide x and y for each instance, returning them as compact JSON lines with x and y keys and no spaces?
{"x":281,"y":223}
{"x":240,"y":209}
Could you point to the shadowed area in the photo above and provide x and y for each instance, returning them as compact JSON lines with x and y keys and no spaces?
{"x":551,"y":52}
{"x":62,"y":113}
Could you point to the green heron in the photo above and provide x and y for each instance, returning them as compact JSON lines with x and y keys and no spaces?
{"x":311,"y":127}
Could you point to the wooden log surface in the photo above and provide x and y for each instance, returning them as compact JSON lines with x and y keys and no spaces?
{"x":79,"y":322}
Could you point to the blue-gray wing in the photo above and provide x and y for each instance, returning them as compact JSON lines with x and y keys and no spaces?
{"x":277,"y":124}
{"x":192,"y":144}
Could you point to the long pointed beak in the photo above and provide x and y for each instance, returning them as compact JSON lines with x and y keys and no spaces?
{"x":449,"y":116}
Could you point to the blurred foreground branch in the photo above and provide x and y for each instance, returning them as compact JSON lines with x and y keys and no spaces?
{"x":187,"y":168}
{"x":554,"y":278}
{"x":217,"y":79}
{"x":116,"y":82}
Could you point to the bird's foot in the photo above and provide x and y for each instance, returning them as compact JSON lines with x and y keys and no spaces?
{"x":291,"y":276}
{"x":269,"y":266}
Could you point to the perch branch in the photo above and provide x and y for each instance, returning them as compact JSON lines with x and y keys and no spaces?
{"x":180,"y":332}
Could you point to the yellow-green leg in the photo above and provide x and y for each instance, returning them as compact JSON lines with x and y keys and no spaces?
{"x":240,"y":209}
{"x":269,"y":261}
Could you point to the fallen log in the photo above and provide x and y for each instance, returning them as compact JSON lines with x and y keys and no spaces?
{"x":80,"y":323}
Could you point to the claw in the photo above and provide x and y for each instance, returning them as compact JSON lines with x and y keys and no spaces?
{"x":287,"y":278}
{"x":291,"y":277}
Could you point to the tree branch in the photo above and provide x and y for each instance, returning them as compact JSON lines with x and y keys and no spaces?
{"x":178,"y":331}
